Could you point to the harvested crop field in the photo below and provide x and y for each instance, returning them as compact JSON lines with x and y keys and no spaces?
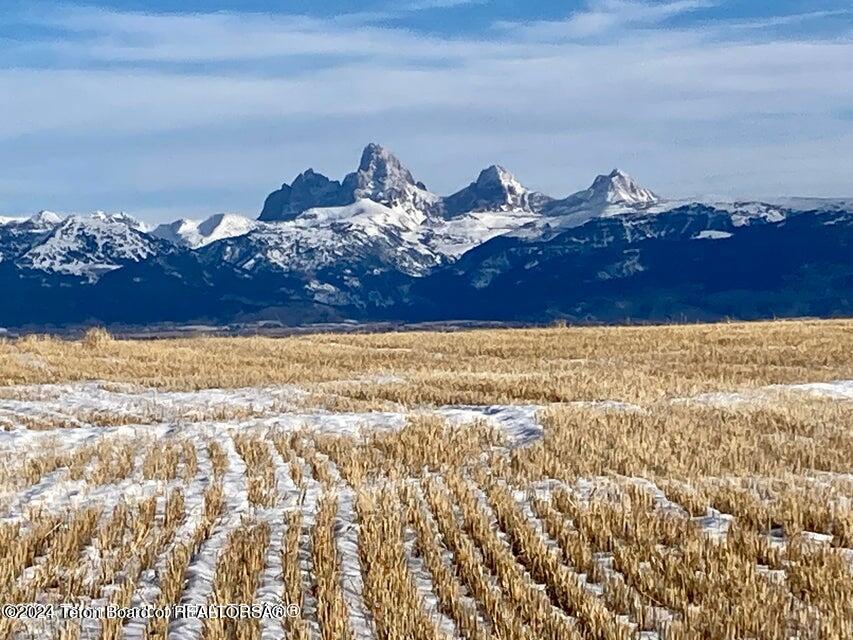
{"x":638,"y":482}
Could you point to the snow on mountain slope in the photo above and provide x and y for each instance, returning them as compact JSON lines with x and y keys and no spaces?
{"x":621,"y":189}
{"x":744,"y":213}
{"x":384,"y":217}
{"x":18,"y":235}
{"x":309,"y":189}
{"x":712,"y":234}
{"x":376,"y":245}
{"x":608,"y":195}
{"x":365,"y":232}
{"x":380,"y":177}
{"x":458,"y":235}
{"x":495,"y":189}
{"x":119,"y":218}
{"x":199,"y":233}
{"x":45,"y":219}
{"x":378,"y":218}
{"x":89,"y":246}
{"x":813,"y":204}
{"x":391,"y":223}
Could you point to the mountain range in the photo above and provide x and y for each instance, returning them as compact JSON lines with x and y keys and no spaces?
{"x":379,"y":245}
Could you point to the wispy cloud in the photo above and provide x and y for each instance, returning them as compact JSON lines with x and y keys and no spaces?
{"x":99,"y":35}
{"x":424,"y":5}
{"x":790,"y":19}
{"x":210,"y":111}
{"x":603,"y":16}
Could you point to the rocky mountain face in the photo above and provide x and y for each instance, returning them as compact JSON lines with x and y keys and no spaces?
{"x":308,"y":190}
{"x":380,"y":177}
{"x":378,"y":245}
{"x":609,"y":194}
{"x":495,"y":189}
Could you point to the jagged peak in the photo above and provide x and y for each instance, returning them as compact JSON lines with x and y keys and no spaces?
{"x":618,"y":187}
{"x":617,"y":175}
{"x":379,"y":162}
{"x":496,"y":174}
{"x":310,"y":179}
{"x":120,"y":216}
{"x":381,"y":177}
{"x":375,"y":152}
{"x":495,"y":189}
{"x":308,"y":175}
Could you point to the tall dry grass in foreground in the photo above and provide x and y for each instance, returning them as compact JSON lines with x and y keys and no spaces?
{"x":691,"y":519}
{"x":513,"y":539}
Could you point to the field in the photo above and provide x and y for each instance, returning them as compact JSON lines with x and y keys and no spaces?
{"x":677,"y":482}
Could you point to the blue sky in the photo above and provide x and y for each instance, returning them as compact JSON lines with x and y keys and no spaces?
{"x":173,"y":109}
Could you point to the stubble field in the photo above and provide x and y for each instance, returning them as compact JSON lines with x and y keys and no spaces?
{"x":602,"y":483}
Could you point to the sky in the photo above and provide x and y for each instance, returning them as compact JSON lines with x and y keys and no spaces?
{"x":185,"y":108}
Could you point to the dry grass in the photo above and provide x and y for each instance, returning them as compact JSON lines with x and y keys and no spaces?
{"x":608,"y":526}
{"x":503,"y":615}
{"x":532,"y":604}
{"x":178,"y":557}
{"x":635,"y":364}
{"x":689,"y":440}
{"x":236,"y":581}
{"x":426,"y":444}
{"x":295,"y":626}
{"x":218,"y":459}
{"x":146,"y":545}
{"x":448,"y":587}
{"x":260,"y":472}
{"x":388,"y":588}
{"x":331,"y":610}
{"x":96,"y":338}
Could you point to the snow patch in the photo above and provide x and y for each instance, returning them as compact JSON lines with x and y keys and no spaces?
{"x":712,"y":234}
{"x":199,"y":233}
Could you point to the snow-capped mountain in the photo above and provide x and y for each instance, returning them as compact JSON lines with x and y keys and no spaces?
{"x":380,"y":177}
{"x":495,"y":189}
{"x":89,"y":246}
{"x":18,"y":235}
{"x":309,"y":189}
{"x":194,"y":234}
{"x":379,"y":245}
{"x":608,"y":194}
{"x":44,"y":219}
{"x":363,"y":235}
{"x":41,"y":219}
